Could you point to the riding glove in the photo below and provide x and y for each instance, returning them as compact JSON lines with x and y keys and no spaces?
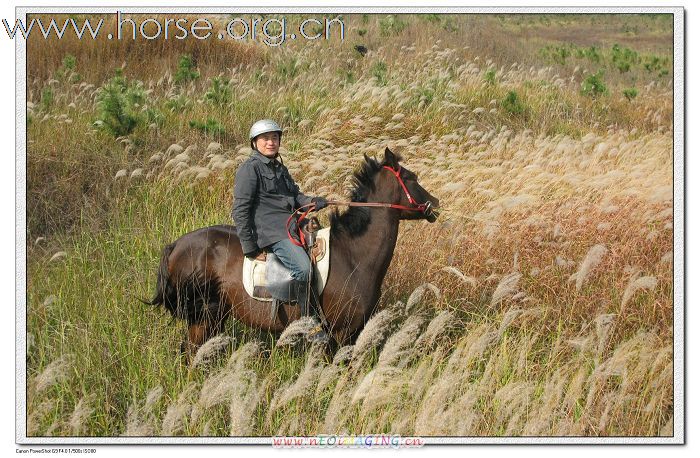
{"x":320,"y":202}
{"x":253,"y":254}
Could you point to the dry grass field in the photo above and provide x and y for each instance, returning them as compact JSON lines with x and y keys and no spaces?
{"x":539,"y":304}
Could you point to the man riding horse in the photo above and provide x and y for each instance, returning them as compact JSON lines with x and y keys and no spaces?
{"x":265,"y":195}
{"x":200,"y":276}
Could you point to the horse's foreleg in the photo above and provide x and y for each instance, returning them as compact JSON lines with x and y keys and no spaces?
{"x":200,"y":332}
{"x":197,"y":334}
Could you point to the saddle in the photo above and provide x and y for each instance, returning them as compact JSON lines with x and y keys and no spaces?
{"x":269,"y":279}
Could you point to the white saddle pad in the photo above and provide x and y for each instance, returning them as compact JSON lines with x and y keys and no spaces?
{"x":254,"y":270}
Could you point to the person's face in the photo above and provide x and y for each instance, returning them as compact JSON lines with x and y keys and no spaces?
{"x":268,"y":143}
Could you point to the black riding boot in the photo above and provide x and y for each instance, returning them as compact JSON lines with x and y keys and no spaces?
{"x":304,"y":299}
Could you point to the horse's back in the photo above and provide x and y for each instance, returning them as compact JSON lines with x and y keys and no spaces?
{"x":207,"y":246}
{"x":209,"y":236}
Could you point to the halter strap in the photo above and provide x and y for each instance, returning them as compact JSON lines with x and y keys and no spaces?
{"x":397,"y":174}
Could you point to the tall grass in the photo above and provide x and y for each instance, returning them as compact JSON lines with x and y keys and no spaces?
{"x":539,"y":304}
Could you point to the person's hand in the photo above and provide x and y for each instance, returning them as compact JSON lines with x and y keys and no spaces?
{"x":320,"y":202}
{"x":254,"y":254}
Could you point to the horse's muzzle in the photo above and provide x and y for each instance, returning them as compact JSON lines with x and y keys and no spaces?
{"x":430,"y":213}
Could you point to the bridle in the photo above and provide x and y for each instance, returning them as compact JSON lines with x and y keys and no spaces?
{"x":425,"y":208}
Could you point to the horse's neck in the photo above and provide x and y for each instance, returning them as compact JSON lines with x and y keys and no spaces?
{"x":371,"y":252}
{"x":382,"y":234}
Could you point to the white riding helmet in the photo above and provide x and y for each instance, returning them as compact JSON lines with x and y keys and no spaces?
{"x":263,"y":126}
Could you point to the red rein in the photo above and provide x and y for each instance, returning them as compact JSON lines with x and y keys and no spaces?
{"x":299,"y":220}
{"x":397,"y":174}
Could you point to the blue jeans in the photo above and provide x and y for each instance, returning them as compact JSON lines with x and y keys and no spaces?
{"x":294,"y":258}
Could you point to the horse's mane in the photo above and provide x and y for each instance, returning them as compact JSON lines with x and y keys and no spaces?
{"x":354,"y":220}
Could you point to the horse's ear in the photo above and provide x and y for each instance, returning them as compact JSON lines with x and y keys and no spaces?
{"x":390,"y":159}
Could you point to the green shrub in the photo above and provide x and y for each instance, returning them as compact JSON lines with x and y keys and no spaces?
{"x":391,"y":25}
{"x":623,"y":66}
{"x":210,"y":127}
{"x":219,"y":93}
{"x":630,"y":93}
{"x":66,"y":72}
{"x":591,"y":54}
{"x":379,"y":71}
{"x":69,"y":62}
{"x":656,"y":64}
{"x":624,"y":58}
{"x":593,"y":85}
{"x":490,"y":77}
{"x":185,"y":70}
{"x":435,"y":89}
{"x":557,"y":54}
{"x":560,"y":55}
{"x":653,"y":63}
{"x":512,"y":104}
{"x":47,"y":99}
{"x":119,"y":104}
{"x":432,"y":17}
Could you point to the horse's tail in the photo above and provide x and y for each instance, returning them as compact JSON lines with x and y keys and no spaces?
{"x":164,"y":290}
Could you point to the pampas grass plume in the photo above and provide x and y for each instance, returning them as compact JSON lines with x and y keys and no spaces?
{"x":592,"y":259}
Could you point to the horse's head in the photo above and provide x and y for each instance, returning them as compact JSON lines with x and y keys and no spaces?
{"x":404,"y":189}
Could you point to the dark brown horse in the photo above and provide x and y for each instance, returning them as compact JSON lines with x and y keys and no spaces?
{"x":200,"y":274}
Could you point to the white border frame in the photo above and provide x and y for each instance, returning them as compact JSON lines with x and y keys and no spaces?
{"x":678,"y":224}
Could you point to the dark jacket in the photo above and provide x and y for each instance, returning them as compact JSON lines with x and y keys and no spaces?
{"x":264,"y":196}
